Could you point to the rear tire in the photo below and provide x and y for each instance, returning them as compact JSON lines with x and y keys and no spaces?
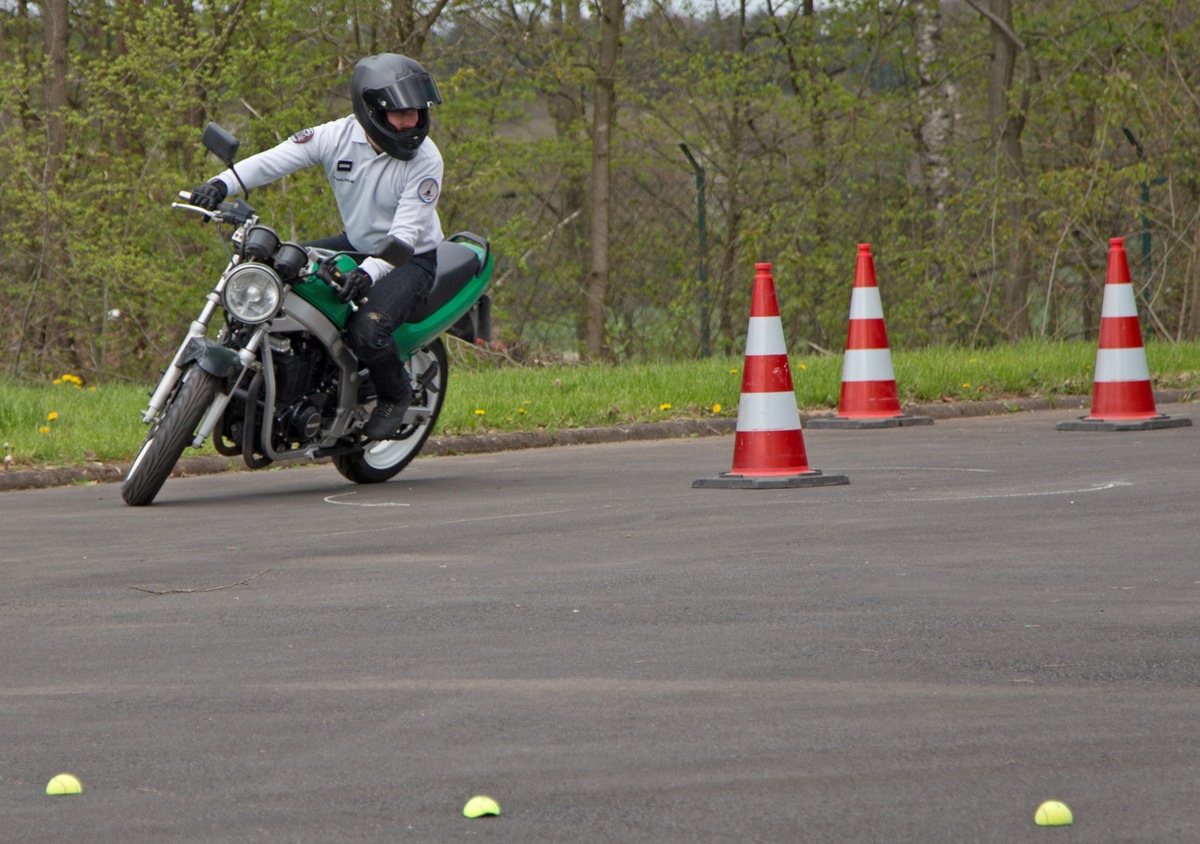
{"x":383,"y":460}
{"x":169,"y":436}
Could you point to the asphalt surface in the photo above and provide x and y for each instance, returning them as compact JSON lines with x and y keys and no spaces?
{"x":992,"y":613}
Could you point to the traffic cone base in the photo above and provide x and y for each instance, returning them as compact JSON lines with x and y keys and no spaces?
{"x":1084,"y":423}
{"x":728,"y":480}
{"x":869,"y":398}
{"x":841,"y":422}
{"x":768,"y":451}
{"x":1121,"y":396}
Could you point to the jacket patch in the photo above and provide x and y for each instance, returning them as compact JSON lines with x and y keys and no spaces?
{"x":428,"y":190}
{"x":303,"y":136}
{"x":344,"y":166}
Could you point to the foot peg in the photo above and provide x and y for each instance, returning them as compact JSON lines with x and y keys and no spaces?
{"x":424,"y":379}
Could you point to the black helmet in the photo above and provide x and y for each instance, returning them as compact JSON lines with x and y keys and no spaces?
{"x":391,"y":82}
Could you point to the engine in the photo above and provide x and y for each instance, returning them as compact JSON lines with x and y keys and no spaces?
{"x":305,"y":384}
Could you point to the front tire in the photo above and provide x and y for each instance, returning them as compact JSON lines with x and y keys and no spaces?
{"x":383,"y":460}
{"x":169,"y":436}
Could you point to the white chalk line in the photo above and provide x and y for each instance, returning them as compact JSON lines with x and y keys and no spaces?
{"x":911,"y":469}
{"x":329,"y":499}
{"x":1042,"y":493}
{"x":889,"y":497}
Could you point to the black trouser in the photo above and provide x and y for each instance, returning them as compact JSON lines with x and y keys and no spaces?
{"x":391,"y":302}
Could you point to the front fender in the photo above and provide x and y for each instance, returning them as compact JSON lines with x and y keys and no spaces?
{"x":213,"y":358}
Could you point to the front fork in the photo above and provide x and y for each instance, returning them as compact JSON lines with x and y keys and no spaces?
{"x":172,"y":374}
{"x":194,"y":348}
{"x":246,"y":356}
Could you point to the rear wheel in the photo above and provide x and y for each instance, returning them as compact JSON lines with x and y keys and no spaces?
{"x":169,"y":436}
{"x":384,"y":459}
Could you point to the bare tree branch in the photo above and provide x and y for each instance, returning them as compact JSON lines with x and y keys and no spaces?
{"x":202,"y":589}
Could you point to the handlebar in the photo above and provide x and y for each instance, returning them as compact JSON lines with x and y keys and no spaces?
{"x":236,"y":211}
{"x":239,"y":212}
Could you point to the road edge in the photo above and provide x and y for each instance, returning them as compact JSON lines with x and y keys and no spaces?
{"x":45,"y":477}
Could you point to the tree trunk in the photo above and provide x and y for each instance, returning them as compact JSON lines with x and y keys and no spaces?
{"x":1007,"y":124}
{"x":936,"y":102}
{"x":57,"y":329}
{"x":566,"y":104}
{"x":566,"y":99}
{"x":604,"y":121}
{"x":406,"y":36}
{"x":56,"y":12}
{"x":935,"y":98}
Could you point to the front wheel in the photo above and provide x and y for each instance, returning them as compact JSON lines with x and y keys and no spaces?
{"x":383,"y":460}
{"x":169,"y":436}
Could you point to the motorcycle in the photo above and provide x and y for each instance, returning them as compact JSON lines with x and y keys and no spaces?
{"x":278,"y":381}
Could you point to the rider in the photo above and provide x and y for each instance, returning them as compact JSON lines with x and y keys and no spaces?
{"x":386,"y":176}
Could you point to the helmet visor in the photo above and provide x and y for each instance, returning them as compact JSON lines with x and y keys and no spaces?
{"x":418,"y":90}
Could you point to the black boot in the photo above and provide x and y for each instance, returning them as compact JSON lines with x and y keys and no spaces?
{"x":387,"y":419}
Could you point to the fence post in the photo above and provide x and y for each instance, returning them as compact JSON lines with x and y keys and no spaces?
{"x":705,"y":343}
{"x":1146,"y":264}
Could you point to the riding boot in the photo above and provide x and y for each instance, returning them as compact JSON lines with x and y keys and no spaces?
{"x":395,"y":396}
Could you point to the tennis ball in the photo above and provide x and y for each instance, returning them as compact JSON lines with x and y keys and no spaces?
{"x":480,"y":805}
{"x":64,"y":784}
{"x":1053,"y":813}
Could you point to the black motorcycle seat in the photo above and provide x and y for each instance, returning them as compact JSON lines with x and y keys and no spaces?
{"x":456,"y":265}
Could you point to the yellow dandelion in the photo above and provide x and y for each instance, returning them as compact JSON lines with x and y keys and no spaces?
{"x":967,"y":386}
{"x":520,"y":410}
{"x":733,"y":372}
{"x":716,"y":408}
{"x":664,"y":407}
{"x":480,"y":411}
{"x":45,"y":429}
{"x":53,"y":415}
{"x":802,"y":366}
{"x":58,"y":380}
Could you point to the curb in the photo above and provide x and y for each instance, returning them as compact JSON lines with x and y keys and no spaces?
{"x":490,"y":443}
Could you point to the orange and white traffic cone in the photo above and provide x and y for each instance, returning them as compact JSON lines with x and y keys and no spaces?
{"x":768,"y":450}
{"x":1121,"y":396}
{"x":869,"y":398}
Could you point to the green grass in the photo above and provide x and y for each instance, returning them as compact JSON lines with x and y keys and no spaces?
{"x":102,"y":422}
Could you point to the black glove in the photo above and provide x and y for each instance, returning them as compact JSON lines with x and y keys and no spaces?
{"x":209,"y":195}
{"x":355,"y":286}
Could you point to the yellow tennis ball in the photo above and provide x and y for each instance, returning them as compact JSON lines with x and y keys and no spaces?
{"x":480,"y":805}
{"x":64,"y":784}
{"x":1053,"y":813}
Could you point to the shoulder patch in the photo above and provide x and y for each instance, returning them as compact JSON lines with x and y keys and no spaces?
{"x":428,"y":190}
{"x":303,"y":136}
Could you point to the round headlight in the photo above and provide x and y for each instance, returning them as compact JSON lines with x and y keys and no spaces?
{"x":253,"y":293}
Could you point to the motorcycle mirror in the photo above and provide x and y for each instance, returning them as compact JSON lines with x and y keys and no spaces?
{"x":220,"y":143}
{"x":393,"y":250}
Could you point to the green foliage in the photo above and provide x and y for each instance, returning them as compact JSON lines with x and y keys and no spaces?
{"x":807,"y":128}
